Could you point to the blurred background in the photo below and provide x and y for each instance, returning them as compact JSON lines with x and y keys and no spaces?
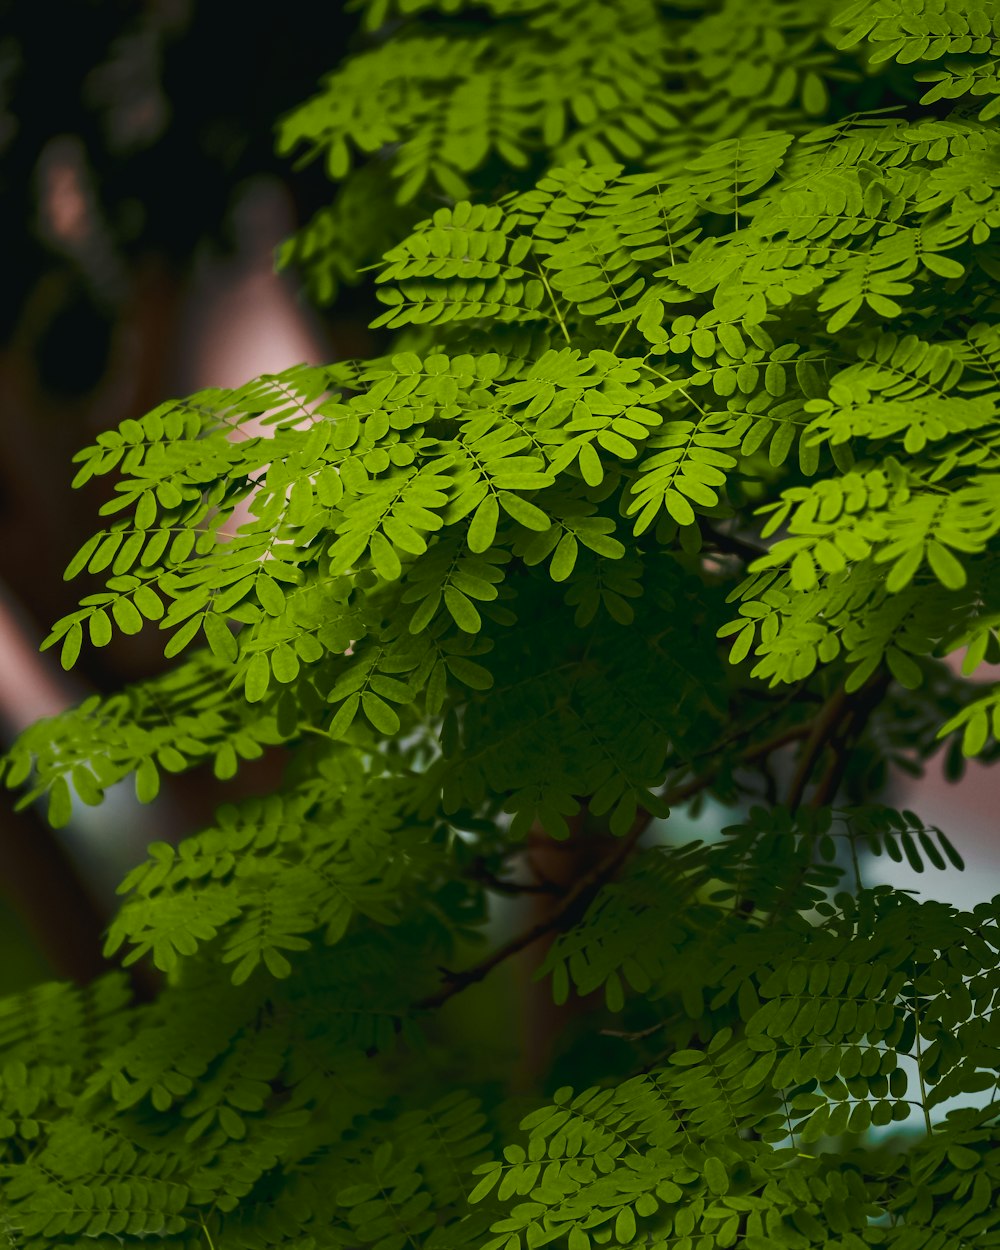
{"x":141,"y":203}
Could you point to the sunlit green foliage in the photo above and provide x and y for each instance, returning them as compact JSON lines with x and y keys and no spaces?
{"x":684,"y":453}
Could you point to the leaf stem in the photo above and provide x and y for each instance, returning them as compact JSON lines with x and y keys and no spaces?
{"x":920,"y":1061}
{"x":559,"y":316}
{"x":625,"y":329}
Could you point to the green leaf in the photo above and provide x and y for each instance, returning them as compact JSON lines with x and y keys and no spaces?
{"x":257,"y":678}
{"x":106,"y":552}
{"x":814,"y":96}
{"x":590,"y":465}
{"x":145,"y":512}
{"x":470,"y":673}
{"x":774,"y":379}
{"x":99,"y":626}
{"x":625,"y":1226}
{"x":379,"y":713}
{"x":148,"y":602}
{"x":614,"y":993}
{"x":904,"y":570}
{"x":943,"y":266}
{"x":354,"y":1195}
{"x":687,"y":1058}
{"x":716,"y":1176}
{"x":128,"y":553}
{"x":678,"y":507}
{"x":906,"y":671}
{"x":171,"y":759}
{"x":225,"y":765}
{"x":126,"y":617}
{"x":563,"y":558}
{"x":483,"y":528}
{"x":147,"y":781}
{"x":344,"y":718}
{"x":525,"y":513}
{"x":284,"y":663}
{"x":803,"y":571}
{"x":977,"y":730}
{"x":82,"y":557}
{"x":845,"y":314}
{"x":182,"y":637}
{"x":617,"y":445}
{"x":954,"y":858}
{"x":387,"y":563}
{"x":483,"y":1189}
{"x":219,"y":637}
{"x":744,"y":641}
{"x":60,"y":803}
{"x":278,"y":966}
{"x":424,"y":613}
{"x":270,"y":595}
{"x":347,"y":551}
{"x":946,"y":568}
{"x":389,"y":688}
{"x":245,"y":968}
{"x":462,"y":609}
{"x":72,"y":643}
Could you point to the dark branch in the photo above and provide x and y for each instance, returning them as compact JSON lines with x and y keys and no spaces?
{"x":570,"y":909}
{"x":575,"y":902}
{"x":729,"y":544}
{"x":479,"y":872}
{"x":837,"y":728}
{"x":845,"y":739}
{"x":638,"y":1036}
{"x":823,"y":729}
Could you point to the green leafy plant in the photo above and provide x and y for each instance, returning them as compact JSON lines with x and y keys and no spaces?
{"x":679,"y":477}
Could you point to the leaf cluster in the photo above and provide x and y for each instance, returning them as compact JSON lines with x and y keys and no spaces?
{"x":681,"y":458}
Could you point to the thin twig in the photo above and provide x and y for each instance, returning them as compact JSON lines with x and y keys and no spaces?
{"x":780,"y":738}
{"x":638,"y":1036}
{"x":558,"y":312}
{"x":920,"y":1060}
{"x":838,"y":726}
{"x":479,"y":872}
{"x":625,"y":329}
{"x":567,"y":912}
{"x":824,"y":726}
{"x":845,"y":738}
{"x":575,"y":902}
{"x":759,"y":751}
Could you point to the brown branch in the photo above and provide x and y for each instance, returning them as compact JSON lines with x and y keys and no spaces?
{"x":758,"y":751}
{"x":837,"y":727}
{"x":844,"y":719}
{"x":575,"y":902}
{"x":789,"y":734}
{"x":823,"y":729}
{"x":570,"y":908}
{"x":641,"y":1034}
{"x":845,"y":739}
